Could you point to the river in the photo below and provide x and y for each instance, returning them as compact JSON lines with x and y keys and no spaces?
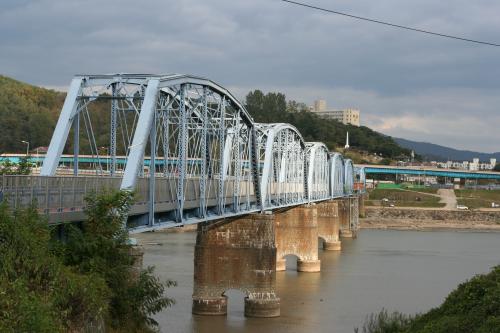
{"x":408,"y":271}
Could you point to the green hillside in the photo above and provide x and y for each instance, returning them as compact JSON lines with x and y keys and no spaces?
{"x":26,"y":113}
{"x":273,"y":107}
{"x":29,"y":113}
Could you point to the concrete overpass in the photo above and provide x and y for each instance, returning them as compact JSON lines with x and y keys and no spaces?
{"x":428,"y":171}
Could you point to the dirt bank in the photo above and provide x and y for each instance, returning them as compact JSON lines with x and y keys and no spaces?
{"x":424,"y":219}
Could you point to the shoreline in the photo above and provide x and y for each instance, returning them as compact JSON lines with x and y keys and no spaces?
{"x":400,"y":218}
{"x":426,"y":225}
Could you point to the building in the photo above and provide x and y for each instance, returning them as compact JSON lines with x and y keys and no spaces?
{"x":345,"y":116}
{"x":475,"y":165}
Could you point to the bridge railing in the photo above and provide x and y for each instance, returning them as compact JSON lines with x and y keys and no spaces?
{"x":52,"y":194}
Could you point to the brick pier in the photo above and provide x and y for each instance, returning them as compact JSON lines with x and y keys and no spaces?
{"x":236,"y":254}
{"x":297,"y":234}
{"x":329,"y":224}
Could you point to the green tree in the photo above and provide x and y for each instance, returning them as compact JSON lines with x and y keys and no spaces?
{"x":22,"y":168}
{"x":274,"y":108}
{"x":86,"y":281}
{"x":103,"y":247}
{"x":38,"y":293}
{"x":497,"y":167}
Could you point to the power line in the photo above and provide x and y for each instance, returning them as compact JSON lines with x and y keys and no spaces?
{"x":389,"y":24}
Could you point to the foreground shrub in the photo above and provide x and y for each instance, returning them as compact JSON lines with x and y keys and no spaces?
{"x":85,"y":282}
{"x":474,"y":307}
{"x":102,"y":247}
{"x":37,"y":292}
{"x":384,"y":322}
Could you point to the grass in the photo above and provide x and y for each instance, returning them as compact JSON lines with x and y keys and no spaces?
{"x":403,"y":198}
{"x":424,"y":190}
{"x":477,"y":198}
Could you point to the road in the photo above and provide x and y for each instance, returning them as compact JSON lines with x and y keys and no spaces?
{"x":448,"y":197}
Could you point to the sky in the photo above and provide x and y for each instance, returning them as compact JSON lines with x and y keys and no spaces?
{"x":406,"y":84}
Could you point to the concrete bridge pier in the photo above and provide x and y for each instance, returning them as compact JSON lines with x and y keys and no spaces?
{"x":348,"y":224}
{"x":236,"y":254}
{"x":361,"y":203}
{"x":297,"y":234}
{"x":329,"y":224}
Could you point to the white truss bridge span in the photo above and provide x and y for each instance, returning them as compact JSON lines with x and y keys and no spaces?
{"x":192,"y":153}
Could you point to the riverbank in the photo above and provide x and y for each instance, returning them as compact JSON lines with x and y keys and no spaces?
{"x":429,"y":219}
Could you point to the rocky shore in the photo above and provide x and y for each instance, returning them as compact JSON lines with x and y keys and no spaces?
{"x":429,"y":219}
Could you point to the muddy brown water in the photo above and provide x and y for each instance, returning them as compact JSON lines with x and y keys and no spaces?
{"x":408,"y":271}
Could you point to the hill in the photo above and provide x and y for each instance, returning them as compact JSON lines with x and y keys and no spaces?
{"x":29,"y":113}
{"x":433,"y":152}
{"x":273,"y":107}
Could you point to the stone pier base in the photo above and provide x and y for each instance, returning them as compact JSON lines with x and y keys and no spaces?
{"x":236,"y":254}
{"x":329,"y":225}
{"x":297,"y":234}
{"x":308,"y":266}
{"x":262,"y":307}
{"x":332,"y":246}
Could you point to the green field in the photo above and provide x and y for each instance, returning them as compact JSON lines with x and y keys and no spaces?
{"x":477,"y":198}
{"x":403,"y":198}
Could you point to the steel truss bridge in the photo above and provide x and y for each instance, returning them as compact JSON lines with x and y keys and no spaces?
{"x":206,"y":158}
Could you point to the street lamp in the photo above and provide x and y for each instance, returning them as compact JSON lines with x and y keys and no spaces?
{"x":27,"y":147}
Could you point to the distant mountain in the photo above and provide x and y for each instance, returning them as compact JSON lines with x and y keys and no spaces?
{"x":433,"y":152}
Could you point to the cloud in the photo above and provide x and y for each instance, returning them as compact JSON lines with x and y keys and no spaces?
{"x":404,"y":82}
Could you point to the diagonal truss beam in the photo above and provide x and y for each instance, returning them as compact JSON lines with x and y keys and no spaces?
{"x":61,"y":131}
{"x":141,"y":136}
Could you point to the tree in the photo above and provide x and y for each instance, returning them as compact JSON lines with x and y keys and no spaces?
{"x":497,"y":167}
{"x":274,"y":108}
{"x":89,"y":280}
{"x":22,"y":168}
{"x":39,"y":293}
{"x":103,"y":247}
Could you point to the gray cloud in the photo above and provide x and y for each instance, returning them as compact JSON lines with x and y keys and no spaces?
{"x":406,"y":84}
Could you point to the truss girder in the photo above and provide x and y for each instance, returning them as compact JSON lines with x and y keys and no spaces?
{"x":281,"y":151}
{"x":317,"y":171}
{"x":208,"y":157}
{"x":336,"y":175}
{"x":348,"y":177}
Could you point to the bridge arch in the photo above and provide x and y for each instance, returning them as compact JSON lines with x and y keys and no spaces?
{"x":336,"y":175}
{"x":317,"y":171}
{"x":360,"y":178}
{"x":348,"y":177}
{"x":281,"y":151}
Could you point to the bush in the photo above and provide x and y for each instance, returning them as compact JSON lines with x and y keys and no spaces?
{"x":38,"y":293}
{"x":474,"y":307}
{"x":48,"y":285}
{"x":384,"y":322}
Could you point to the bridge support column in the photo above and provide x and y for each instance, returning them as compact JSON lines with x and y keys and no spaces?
{"x":237,"y":254}
{"x":361,"y":203}
{"x":345,"y":218}
{"x":297,"y":234}
{"x":329,"y":224}
{"x":349,"y":217}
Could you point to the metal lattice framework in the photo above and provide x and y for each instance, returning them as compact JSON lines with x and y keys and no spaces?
{"x":191,"y":150}
{"x":348,"y":177}
{"x":336,"y":175}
